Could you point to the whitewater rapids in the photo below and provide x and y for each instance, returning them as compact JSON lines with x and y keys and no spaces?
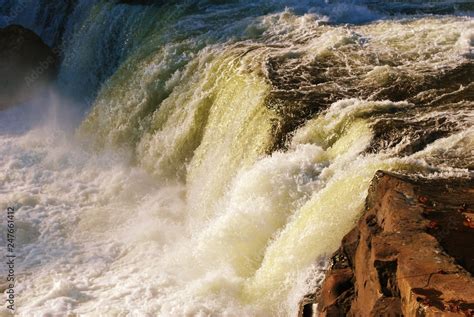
{"x":205,"y":160}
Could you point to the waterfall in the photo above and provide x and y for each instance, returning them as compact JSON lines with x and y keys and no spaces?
{"x":223,"y":148}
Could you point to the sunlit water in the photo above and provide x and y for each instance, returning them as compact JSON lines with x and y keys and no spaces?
{"x":160,"y":185}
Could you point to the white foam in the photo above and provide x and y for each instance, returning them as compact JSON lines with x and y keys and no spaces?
{"x":100,"y":235}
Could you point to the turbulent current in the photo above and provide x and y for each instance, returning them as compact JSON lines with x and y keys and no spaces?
{"x":203,"y":158}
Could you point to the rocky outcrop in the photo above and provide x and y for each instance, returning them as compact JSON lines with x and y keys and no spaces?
{"x":409,"y":255}
{"x":26,"y":65}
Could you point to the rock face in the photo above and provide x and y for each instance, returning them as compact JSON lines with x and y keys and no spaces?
{"x":26,"y":64}
{"x":411,"y":253}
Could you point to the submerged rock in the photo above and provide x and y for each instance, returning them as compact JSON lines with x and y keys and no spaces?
{"x":26,"y":65}
{"x":409,"y":255}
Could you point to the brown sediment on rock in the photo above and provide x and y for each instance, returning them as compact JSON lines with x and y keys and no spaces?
{"x":410,"y":254}
{"x":26,"y":65}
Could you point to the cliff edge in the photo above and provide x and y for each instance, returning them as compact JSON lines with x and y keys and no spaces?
{"x":27,"y":64}
{"x":410,"y":254}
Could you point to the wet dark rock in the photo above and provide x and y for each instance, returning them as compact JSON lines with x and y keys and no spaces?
{"x":395,"y":262}
{"x":301,"y":90}
{"x":26,"y":65}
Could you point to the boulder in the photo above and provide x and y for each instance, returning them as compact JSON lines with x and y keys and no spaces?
{"x":26,"y":65}
{"x":410,"y":253}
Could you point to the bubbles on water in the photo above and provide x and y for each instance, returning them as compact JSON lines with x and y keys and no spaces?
{"x":240,"y":229}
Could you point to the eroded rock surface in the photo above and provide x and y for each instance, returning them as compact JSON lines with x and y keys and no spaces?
{"x":409,"y":255}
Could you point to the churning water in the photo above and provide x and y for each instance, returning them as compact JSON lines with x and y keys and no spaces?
{"x":202,"y":158}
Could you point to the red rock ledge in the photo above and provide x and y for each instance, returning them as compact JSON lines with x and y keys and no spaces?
{"x":411,"y":253}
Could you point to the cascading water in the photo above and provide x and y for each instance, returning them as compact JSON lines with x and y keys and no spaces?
{"x":226,"y":148}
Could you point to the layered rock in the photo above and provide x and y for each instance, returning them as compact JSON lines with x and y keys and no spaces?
{"x":26,"y":65}
{"x":409,"y":255}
